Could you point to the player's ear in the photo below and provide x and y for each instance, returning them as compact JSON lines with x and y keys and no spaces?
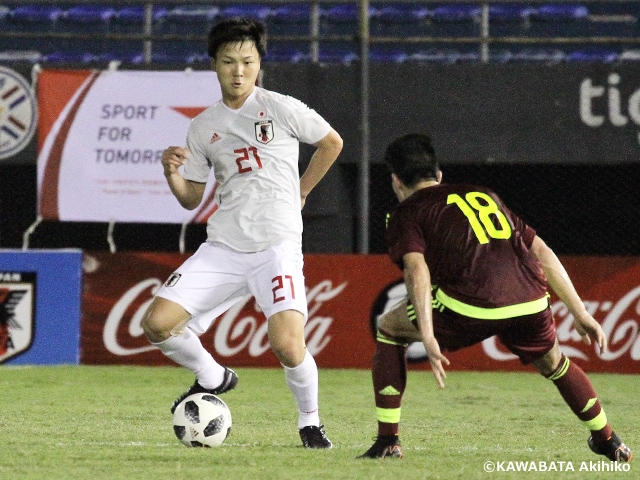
{"x":439,"y":176}
{"x":213,"y":64}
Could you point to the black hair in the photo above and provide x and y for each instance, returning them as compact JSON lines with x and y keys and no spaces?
{"x":412,"y":158}
{"x":237,"y":30}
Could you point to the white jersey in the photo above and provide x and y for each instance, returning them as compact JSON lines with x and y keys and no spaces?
{"x":254,"y":155}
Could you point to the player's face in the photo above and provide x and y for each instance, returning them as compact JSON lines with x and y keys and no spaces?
{"x":237,"y":65}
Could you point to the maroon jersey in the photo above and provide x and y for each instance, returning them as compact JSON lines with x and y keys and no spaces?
{"x":476,"y":249}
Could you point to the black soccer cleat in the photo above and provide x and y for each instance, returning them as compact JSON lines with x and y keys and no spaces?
{"x":229,"y":382}
{"x":385,"y":446}
{"x":613,"y":449}
{"x":314,"y":437}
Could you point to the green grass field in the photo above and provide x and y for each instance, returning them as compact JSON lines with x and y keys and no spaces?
{"x":87,"y":422}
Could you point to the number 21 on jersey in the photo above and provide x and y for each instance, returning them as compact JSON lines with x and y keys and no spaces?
{"x":481,"y":214}
{"x":247,"y":159}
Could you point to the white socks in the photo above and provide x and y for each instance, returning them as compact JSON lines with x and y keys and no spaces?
{"x":303,"y":383}
{"x":187,"y":350}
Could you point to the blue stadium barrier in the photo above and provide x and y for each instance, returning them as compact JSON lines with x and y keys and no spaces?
{"x":30,"y":56}
{"x":340,"y":14}
{"x":600,"y":56}
{"x":75,"y":57}
{"x":388,"y":56}
{"x":500,"y":56}
{"x":510,"y":13}
{"x":4,"y":12}
{"x":260,"y":12}
{"x":126,"y":57}
{"x":435,"y":55}
{"x":538,"y":55}
{"x":136,"y":14}
{"x":559,"y":13}
{"x":291,"y":14}
{"x":456,"y":20}
{"x":192,"y":14}
{"x":36,"y":14}
{"x":89,"y":14}
{"x":290,"y":20}
{"x":172,"y":57}
{"x":341,"y":19}
{"x":286,"y":55}
{"x":192,"y":19}
{"x":629,"y":56}
{"x":456,"y":13}
{"x":389,"y":19}
{"x":401,"y":20}
{"x":401,"y":13}
{"x":469,"y":56}
{"x":337,"y":56}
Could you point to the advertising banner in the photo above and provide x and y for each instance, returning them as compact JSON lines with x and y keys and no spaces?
{"x":101,"y":136}
{"x":346,"y":295}
{"x":340,"y":291}
{"x":40,"y":296}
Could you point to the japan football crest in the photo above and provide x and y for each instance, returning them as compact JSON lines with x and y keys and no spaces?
{"x":17,"y":313}
{"x":264,"y":131}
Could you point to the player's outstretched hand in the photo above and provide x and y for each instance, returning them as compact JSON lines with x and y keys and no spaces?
{"x":589,"y":328}
{"x":172,"y":158}
{"x":436,"y":359}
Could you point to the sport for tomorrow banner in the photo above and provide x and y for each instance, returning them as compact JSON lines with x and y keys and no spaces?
{"x":101,"y":135}
{"x":346,"y":295}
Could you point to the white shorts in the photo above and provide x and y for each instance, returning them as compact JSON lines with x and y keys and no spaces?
{"x":216,"y":276}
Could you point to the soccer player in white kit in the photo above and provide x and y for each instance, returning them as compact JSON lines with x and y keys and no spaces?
{"x":250,"y":139}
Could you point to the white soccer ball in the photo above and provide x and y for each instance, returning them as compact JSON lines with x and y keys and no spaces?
{"x":202,"y":420}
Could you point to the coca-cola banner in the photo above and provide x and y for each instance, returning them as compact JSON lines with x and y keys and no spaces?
{"x":340,"y":290}
{"x":346,"y":294}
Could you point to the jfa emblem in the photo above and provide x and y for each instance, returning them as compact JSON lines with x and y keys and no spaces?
{"x":264,"y":131}
{"x":17,"y":312}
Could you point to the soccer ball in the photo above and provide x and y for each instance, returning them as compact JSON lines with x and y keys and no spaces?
{"x":202,"y":420}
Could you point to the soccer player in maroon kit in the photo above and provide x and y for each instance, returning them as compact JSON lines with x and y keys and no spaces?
{"x":473,"y":269}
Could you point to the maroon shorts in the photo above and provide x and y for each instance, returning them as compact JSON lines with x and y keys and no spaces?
{"x":529,"y":336}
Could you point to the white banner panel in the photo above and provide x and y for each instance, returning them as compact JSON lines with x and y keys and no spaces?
{"x":102,"y":134}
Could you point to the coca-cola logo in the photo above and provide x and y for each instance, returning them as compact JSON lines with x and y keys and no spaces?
{"x":241,"y":329}
{"x":620,"y":321}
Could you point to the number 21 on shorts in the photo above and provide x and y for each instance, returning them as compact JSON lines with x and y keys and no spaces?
{"x":480,"y":214}
{"x":283,"y":286}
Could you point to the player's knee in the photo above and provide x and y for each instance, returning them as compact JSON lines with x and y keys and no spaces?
{"x":152,"y":329}
{"x":290,"y":354}
{"x":550,"y":361}
{"x":154,"y":326}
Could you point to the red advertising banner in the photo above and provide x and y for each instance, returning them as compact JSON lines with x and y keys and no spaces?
{"x":346,"y":293}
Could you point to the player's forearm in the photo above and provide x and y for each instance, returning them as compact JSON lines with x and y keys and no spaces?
{"x":418,"y":282}
{"x":325,"y":155}
{"x":558,"y":277}
{"x":184,"y":191}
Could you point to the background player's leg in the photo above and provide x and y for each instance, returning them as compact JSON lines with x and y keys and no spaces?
{"x":578,"y":392}
{"x":389,"y":375}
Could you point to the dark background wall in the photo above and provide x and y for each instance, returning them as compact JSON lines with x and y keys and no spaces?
{"x":518,"y":129}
